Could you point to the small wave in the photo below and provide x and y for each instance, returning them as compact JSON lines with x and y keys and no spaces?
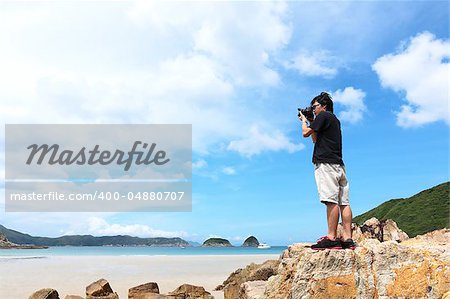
{"x":21,"y":257}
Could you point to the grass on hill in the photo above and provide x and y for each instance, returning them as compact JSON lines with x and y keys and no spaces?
{"x":421,"y":213}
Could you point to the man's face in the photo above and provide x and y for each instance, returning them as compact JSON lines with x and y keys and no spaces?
{"x":317,"y":108}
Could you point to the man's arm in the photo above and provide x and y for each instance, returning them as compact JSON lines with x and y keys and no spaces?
{"x":307,"y":131}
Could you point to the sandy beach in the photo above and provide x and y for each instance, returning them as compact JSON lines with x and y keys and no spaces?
{"x":69,"y":275}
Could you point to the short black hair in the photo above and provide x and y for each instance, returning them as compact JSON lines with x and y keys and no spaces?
{"x":324,"y":99}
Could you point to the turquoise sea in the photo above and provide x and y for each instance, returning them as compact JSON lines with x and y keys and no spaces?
{"x":136,"y":250}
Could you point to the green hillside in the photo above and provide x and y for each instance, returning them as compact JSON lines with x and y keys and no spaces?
{"x":88,"y":240}
{"x":421,"y":213}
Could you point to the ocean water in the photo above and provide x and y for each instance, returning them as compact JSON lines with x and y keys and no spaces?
{"x":136,"y":250}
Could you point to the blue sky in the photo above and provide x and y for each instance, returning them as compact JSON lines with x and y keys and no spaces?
{"x":237,"y":72}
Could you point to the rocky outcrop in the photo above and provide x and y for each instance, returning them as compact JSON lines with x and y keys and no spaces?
{"x":45,"y":294}
{"x":5,"y":244}
{"x":189,"y":291}
{"x":250,"y":242}
{"x":253,"y":272}
{"x":415,"y":268}
{"x":384,"y":230}
{"x":252,"y":289}
{"x":143,"y":291}
{"x":216,"y":242}
{"x":100,"y":290}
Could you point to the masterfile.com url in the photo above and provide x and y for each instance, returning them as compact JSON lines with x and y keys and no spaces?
{"x":97,"y":195}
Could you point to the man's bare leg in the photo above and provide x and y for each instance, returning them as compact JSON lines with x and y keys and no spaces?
{"x":346,"y":214}
{"x":332,"y":219}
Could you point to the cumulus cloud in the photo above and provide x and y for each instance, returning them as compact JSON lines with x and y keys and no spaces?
{"x":258,"y":142}
{"x":229,"y":170}
{"x":319,"y":63}
{"x":353,"y":101}
{"x":241,"y":38}
{"x":182,"y":63}
{"x":100,"y":227}
{"x":419,"y":69}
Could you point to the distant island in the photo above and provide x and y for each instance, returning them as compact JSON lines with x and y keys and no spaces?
{"x":89,"y":240}
{"x":217,"y":242}
{"x":251,"y":242}
{"x":423,"y":212}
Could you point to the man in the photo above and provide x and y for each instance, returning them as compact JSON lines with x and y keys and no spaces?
{"x":329,"y":171}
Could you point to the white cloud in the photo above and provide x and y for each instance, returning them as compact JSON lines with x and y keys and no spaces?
{"x":199,"y":164}
{"x":319,"y":63}
{"x":420,"y":70}
{"x":166,"y":63}
{"x":100,"y":227}
{"x":229,"y":170}
{"x":240,"y":37}
{"x":258,"y":142}
{"x":353,"y":101}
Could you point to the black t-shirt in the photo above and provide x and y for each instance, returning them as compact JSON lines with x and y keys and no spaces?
{"x":328,"y":146}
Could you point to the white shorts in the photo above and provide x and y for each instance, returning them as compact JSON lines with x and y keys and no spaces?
{"x":332,"y":183}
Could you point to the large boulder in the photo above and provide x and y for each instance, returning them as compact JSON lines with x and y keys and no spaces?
{"x":252,"y":272}
{"x":252,"y":290}
{"x":45,"y":294}
{"x":100,"y":289}
{"x":162,"y":296}
{"x":415,"y":268}
{"x":141,"y":291}
{"x":188,"y":291}
{"x":384,"y":230}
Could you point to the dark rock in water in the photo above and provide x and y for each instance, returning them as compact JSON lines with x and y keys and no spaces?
{"x":191,"y":291}
{"x":217,"y":242}
{"x":45,"y":294}
{"x":251,"y":242}
{"x":100,"y":290}
{"x":143,"y":291}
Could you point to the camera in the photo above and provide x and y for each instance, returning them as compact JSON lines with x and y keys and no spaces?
{"x":307,"y":112}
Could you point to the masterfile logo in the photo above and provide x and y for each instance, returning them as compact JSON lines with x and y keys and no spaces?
{"x":99,"y":168}
{"x":91,"y":157}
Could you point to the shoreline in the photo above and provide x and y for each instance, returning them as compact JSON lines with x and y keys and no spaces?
{"x":70,"y":275}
